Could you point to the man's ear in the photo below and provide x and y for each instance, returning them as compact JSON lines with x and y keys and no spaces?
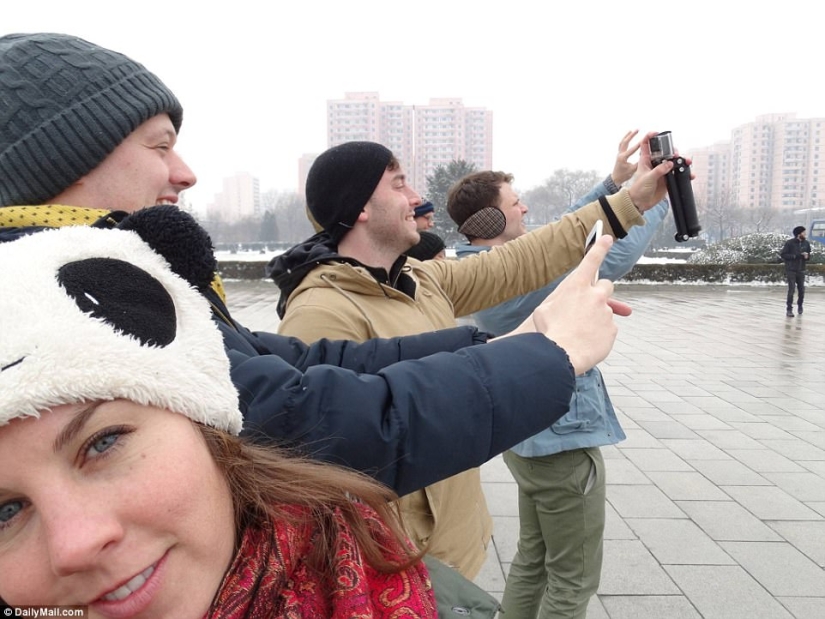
{"x":363,"y":216}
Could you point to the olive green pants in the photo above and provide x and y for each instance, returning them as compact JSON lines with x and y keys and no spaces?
{"x":561,"y":526}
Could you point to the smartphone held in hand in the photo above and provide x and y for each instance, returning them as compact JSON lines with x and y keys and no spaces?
{"x":595,"y":232}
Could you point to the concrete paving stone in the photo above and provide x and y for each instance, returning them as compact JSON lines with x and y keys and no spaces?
{"x":686,"y":486}
{"x":595,"y":609}
{"x":661,"y":396}
{"x":728,"y":473}
{"x":812,"y":397}
{"x":701,"y":421}
{"x":644,"y":387}
{"x":729,"y":439}
{"x":797,"y":450}
{"x":626,"y":422}
{"x":765,"y":460}
{"x":817,"y":507}
{"x":629,"y":401}
{"x":694,"y":449}
{"x":733,"y":414}
{"x":684,"y":388}
{"x":760,"y":391}
{"x":505,"y":535}
{"x":629,"y":569}
{"x":610,"y":452}
{"x":614,"y":526}
{"x":804,"y":486}
{"x":815,"y":466}
{"x":744,"y":400}
{"x":491,"y":577}
{"x":647,"y":413}
{"x":647,"y":460}
{"x":710,"y":402}
{"x":667,"y":428}
{"x":765,"y":407}
{"x":639,"y":438}
{"x":727,"y":521}
{"x":648,"y":607}
{"x":678,"y":542}
{"x":495,"y":470}
{"x":779,"y":567}
{"x":623,"y":471}
{"x":502,"y":498}
{"x":679,"y":408}
{"x":761,"y":429}
{"x":817,"y":439}
{"x":814,"y":417}
{"x":807,"y":537}
{"x":790,"y":423}
{"x":725,"y":592}
{"x":770,"y":503}
{"x":804,"y":607}
{"x":642,"y":502}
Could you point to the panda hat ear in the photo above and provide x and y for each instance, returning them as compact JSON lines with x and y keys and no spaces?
{"x":175,"y":235}
{"x":88,"y":314}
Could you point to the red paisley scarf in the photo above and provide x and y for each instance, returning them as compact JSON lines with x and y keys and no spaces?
{"x":270,"y":578}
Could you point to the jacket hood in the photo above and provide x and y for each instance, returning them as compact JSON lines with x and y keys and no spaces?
{"x":289,"y":269}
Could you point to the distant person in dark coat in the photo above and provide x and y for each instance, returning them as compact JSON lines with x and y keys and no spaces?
{"x":795,"y":253}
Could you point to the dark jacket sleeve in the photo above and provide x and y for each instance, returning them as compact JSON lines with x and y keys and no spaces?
{"x":415,"y":422}
{"x":369,"y":356}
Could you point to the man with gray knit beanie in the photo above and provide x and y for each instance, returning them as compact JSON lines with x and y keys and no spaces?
{"x":67,"y":105}
{"x":88,"y":136}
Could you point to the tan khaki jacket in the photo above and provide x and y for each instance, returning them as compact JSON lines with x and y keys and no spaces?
{"x":344,"y":301}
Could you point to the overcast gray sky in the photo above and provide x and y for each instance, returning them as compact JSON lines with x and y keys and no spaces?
{"x":564,"y":79}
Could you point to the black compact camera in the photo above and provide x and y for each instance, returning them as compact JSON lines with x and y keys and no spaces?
{"x":679,"y":189}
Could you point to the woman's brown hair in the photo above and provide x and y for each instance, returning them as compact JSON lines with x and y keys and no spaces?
{"x":263,"y":480}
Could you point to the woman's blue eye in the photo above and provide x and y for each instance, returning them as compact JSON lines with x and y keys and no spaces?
{"x":9,"y":510}
{"x":103,"y":443}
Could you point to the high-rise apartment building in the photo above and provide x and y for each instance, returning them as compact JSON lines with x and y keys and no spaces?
{"x":240,"y":198}
{"x":775,"y":161}
{"x":421,"y":136}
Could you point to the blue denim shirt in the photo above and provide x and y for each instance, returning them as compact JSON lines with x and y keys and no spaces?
{"x":591,"y":420}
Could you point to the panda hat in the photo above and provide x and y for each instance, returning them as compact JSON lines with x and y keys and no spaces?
{"x":88,"y":314}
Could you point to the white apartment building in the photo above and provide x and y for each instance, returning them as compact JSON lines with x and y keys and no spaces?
{"x":776,"y":161}
{"x":239,"y":199}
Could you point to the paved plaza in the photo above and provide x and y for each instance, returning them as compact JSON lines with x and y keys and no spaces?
{"x":716,"y":500}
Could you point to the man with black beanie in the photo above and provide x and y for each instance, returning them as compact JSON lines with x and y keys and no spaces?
{"x":795,"y":254}
{"x":353,"y":281}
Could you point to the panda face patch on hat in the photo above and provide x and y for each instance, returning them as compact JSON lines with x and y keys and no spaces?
{"x":90,"y":314}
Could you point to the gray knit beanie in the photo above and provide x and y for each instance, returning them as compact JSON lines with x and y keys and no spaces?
{"x":65,"y":105}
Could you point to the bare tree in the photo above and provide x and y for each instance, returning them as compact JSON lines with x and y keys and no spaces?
{"x":558,"y":193}
{"x":720,"y":215}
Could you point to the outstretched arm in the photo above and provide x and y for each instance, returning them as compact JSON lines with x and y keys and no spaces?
{"x":415,"y":422}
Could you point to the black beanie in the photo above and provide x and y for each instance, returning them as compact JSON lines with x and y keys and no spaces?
{"x":428,"y":247}
{"x":65,"y":105}
{"x":798,"y":230}
{"x":341,"y":182}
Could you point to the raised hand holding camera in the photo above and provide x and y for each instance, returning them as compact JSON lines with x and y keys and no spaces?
{"x":679,"y":189}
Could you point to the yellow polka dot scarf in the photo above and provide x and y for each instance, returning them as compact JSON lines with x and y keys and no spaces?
{"x":49,"y":215}
{"x":58,"y":215}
